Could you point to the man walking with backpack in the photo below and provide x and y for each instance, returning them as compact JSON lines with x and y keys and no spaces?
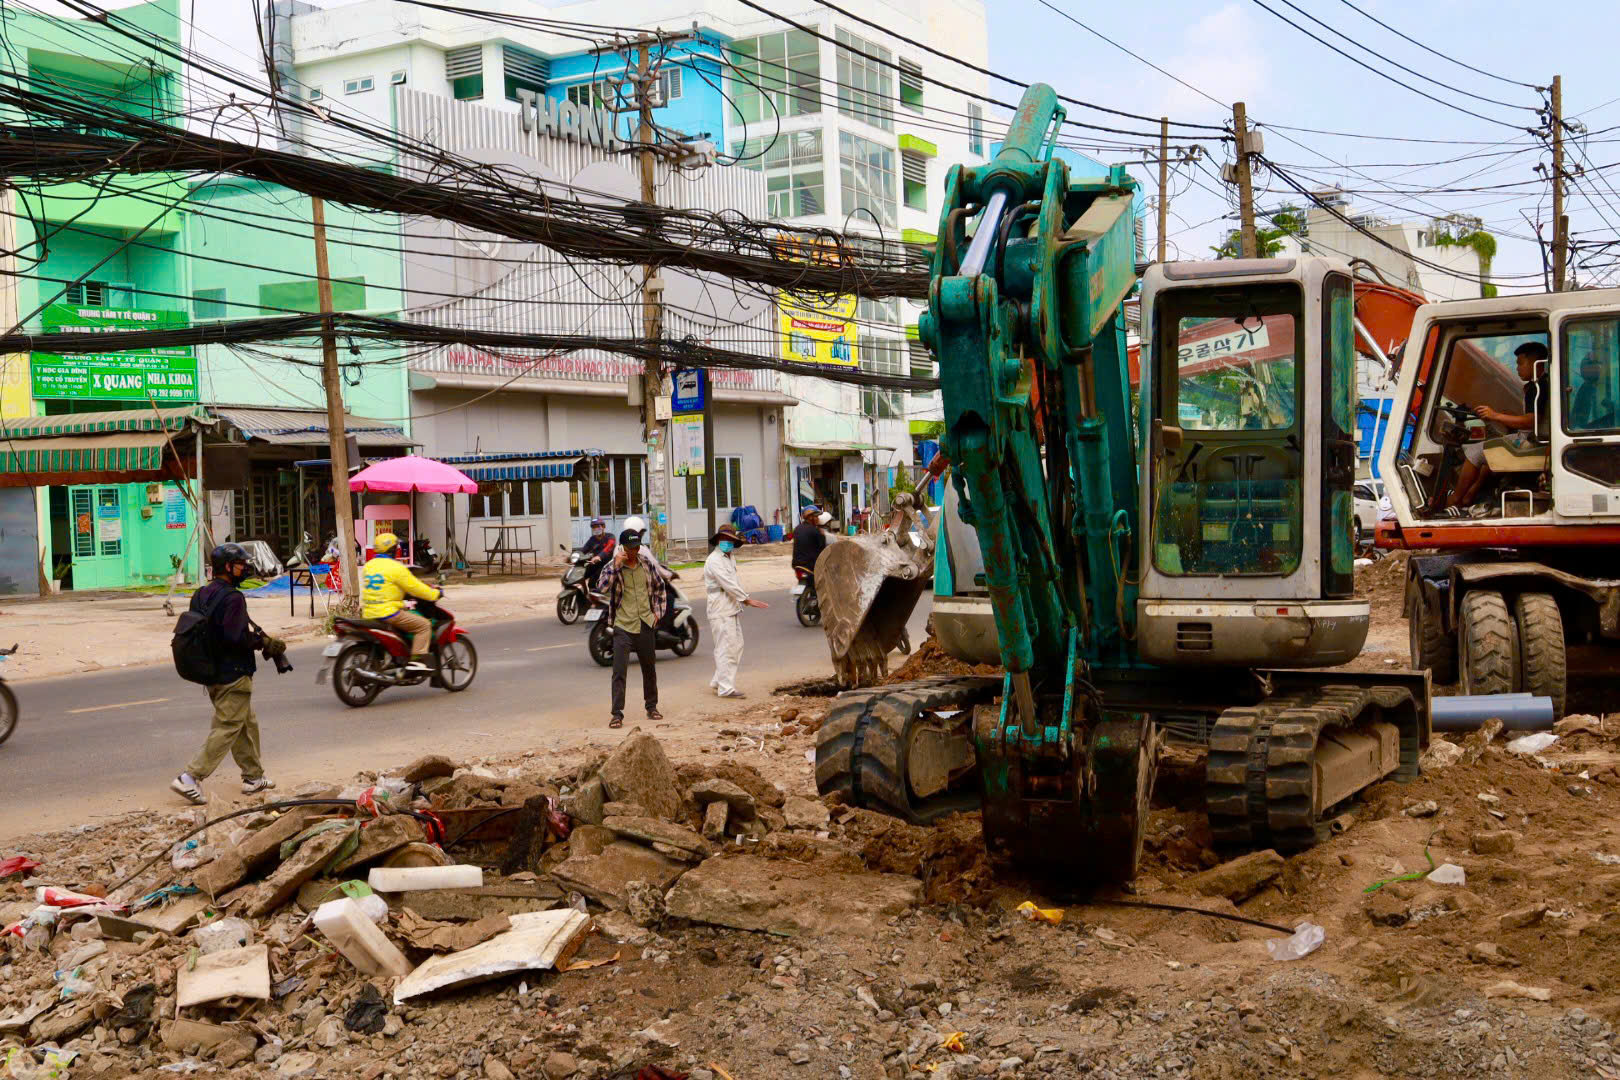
{"x":214,"y":644}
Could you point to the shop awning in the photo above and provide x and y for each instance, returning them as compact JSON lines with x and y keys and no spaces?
{"x":307,"y":427}
{"x":833,"y":449}
{"x":99,"y":448}
{"x":521,"y":465}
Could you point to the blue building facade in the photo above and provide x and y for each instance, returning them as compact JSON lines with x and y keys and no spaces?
{"x":691,"y":86}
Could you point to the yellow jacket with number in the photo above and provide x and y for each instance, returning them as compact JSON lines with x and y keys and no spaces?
{"x":384,"y":584}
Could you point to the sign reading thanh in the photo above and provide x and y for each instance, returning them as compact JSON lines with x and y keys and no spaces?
{"x":162,"y":375}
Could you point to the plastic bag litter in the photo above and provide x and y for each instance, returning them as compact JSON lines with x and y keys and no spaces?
{"x":20,"y":1064}
{"x":1306,"y":939}
{"x":1532,"y":744}
{"x":222,"y":934}
{"x":191,"y":854}
{"x":1038,"y":914}
{"x":1448,"y":874}
{"x":73,"y":982}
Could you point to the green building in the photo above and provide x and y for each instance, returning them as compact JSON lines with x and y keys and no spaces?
{"x":102,"y":452}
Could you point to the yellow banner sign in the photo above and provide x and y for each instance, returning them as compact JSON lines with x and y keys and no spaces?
{"x":818,"y":333}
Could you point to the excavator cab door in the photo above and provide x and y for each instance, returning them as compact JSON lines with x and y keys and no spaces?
{"x":1249,"y":387}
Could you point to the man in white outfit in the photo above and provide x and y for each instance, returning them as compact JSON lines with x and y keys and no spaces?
{"x":726,"y":598}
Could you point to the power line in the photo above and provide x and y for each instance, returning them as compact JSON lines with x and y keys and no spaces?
{"x":1437,"y":52}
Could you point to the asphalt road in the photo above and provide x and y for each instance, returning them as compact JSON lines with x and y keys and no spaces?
{"x":108,"y":742}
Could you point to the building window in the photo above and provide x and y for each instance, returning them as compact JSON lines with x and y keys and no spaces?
{"x":315,"y":93}
{"x":87,"y":294}
{"x":669,"y":86}
{"x":591,"y":95}
{"x":728,"y":489}
{"x":358,"y":86}
{"x":866,"y":172}
{"x":882,"y":355}
{"x":911,"y":85}
{"x":870,"y":312}
{"x":208,"y":303}
{"x":508,"y":498}
{"x":795,"y":177}
{"x":525,"y":70}
{"x":922,"y":366}
{"x":914,"y":174}
{"x":348,"y":294}
{"x":775,"y":75}
{"x":975,"y":128}
{"x":865,"y":82}
{"x":397,"y":79}
{"x":464,"y":67}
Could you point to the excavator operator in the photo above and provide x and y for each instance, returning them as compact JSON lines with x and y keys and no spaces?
{"x":1522,"y":427}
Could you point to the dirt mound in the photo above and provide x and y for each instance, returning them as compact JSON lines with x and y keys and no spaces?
{"x":746,"y":777}
{"x":948,"y":858}
{"x":1384,"y":582}
{"x":930,"y":659}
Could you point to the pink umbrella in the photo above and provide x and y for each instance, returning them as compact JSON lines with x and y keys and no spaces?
{"x":412,"y":473}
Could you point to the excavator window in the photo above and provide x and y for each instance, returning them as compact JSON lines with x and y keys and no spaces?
{"x":1591,"y":376}
{"x":1227,"y":501}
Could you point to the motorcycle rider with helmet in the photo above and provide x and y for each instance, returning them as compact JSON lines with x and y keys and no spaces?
{"x":235,"y":727}
{"x":385,"y":582}
{"x":598,"y":550}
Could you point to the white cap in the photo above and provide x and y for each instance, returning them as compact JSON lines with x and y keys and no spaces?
{"x":824,"y":518}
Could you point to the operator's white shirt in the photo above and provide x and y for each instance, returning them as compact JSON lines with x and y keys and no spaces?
{"x":724,"y":588}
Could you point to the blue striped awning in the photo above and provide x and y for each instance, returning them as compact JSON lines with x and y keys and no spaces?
{"x":520,"y":465}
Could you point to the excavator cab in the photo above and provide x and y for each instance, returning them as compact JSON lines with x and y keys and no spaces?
{"x":1248,"y":390}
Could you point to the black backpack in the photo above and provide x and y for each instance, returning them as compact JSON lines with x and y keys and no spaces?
{"x":195,"y":644}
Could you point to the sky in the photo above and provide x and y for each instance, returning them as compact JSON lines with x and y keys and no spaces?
{"x":1226,"y":50}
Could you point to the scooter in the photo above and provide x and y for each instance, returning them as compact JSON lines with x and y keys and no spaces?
{"x":424,"y":556}
{"x":806,"y":604}
{"x":368,"y":654}
{"x":8,"y":702}
{"x":677,"y":630}
{"x":576,"y":597}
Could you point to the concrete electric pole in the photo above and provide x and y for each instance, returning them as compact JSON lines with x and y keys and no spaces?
{"x":1245,"y":182}
{"x":342,"y":501}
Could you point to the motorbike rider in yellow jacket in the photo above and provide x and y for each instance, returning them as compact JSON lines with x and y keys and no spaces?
{"x":385,"y":582}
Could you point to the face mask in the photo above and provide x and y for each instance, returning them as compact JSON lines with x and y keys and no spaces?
{"x":726,"y":546}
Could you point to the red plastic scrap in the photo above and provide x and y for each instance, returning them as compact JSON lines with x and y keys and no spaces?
{"x":17,"y":864}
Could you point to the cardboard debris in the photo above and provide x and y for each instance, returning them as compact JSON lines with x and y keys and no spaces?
{"x":441,"y":937}
{"x":174,"y":918}
{"x":19,"y":1019}
{"x":352,"y":933}
{"x":241,"y":973}
{"x":537,"y":941}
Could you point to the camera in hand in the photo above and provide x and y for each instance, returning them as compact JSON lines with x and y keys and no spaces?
{"x":275,"y":651}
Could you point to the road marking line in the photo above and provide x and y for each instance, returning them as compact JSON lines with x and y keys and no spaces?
{"x":543,"y":648}
{"x":120,"y":705}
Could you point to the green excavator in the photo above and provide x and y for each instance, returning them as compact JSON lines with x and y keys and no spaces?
{"x":1147,"y":554}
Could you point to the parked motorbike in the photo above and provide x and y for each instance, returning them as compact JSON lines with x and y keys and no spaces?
{"x":424,"y":556}
{"x":8,"y":702}
{"x":361,"y":662}
{"x":677,"y":630}
{"x":576,"y":597}
{"x":806,"y":604}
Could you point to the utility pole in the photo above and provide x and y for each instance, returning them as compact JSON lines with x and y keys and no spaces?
{"x":1560,"y":252}
{"x":652,"y":315}
{"x":1245,"y":182}
{"x":1164,"y":181}
{"x":342,"y":501}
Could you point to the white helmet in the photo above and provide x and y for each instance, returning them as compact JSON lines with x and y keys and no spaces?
{"x":824,"y":519}
{"x":636,"y":522}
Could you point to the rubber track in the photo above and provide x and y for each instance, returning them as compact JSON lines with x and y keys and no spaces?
{"x":1260,"y":781}
{"x":860,"y":749}
{"x":1489,"y":644}
{"x":1541,"y":647}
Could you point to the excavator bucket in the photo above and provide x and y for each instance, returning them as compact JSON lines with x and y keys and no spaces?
{"x":868,"y":586}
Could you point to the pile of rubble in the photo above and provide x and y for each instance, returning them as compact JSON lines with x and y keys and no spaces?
{"x":274,"y":937}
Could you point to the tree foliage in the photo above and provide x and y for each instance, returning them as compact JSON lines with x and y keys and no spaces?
{"x":1285,"y":222}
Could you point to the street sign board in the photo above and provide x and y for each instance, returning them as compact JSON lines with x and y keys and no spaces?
{"x":165,"y":375}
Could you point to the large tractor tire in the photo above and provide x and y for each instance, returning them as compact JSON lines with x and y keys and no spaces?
{"x":1488,"y":644}
{"x":1541,"y":648}
{"x":1431,"y":647}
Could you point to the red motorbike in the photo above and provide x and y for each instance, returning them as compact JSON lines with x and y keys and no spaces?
{"x":370,"y":654}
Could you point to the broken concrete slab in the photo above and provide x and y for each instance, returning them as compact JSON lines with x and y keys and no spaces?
{"x":1240,"y":878}
{"x":359,"y":940}
{"x":781,"y":897}
{"x":471,"y":905}
{"x":806,"y":813}
{"x":602,"y":877}
{"x":708,"y":792}
{"x":538,"y":941}
{"x":174,"y":918}
{"x":412,"y":878}
{"x":714,"y":820}
{"x":305,"y":863}
{"x":585,"y":804}
{"x":638,"y":771}
{"x":243,"y":973}
{"x":624,"y":809}
{"x":382,"y":837}
{"x":653,"y":831}
{"x":590,"y":839}
{"x":254,"y":855}
{"x":427,"y":767}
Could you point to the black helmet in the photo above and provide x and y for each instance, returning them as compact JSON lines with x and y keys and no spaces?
{"x":222,"y":557}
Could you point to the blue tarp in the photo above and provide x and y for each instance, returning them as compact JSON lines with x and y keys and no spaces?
{"x":282,"y":585}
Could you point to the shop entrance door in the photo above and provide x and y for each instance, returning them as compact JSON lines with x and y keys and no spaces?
{"x":97,"y":521}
